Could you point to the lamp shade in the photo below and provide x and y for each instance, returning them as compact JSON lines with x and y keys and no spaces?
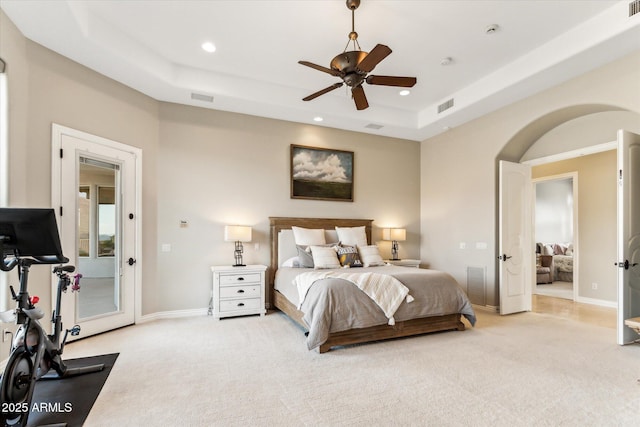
{"x":398,"y":234}
{"x":237,"y":233}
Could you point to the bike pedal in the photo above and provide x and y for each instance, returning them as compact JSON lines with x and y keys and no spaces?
{"x":75,"y":331}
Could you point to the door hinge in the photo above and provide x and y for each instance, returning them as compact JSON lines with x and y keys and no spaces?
{"x":60,"y":210}
{"x":61,"y":153}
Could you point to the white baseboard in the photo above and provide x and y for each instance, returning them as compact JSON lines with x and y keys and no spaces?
{"x":600,"y":302}
{"x":173,"y":314}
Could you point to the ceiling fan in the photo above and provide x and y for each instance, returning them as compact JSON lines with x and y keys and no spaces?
{"x":353,"y":67}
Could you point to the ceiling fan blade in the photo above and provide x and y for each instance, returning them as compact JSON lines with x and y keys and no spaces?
{"x":359,"y":97}
{"x":374,"y":57}
{"x":322,"y":92}
{"x":321,"y":68}
{"x":392,"y":81}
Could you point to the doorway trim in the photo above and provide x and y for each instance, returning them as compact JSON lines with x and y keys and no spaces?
{"x":56,"y":143}
{"x":576,"y":237}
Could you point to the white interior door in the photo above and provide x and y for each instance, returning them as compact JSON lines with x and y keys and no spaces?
{"x":515,"y":243}
{"x":95,"y":187}
{"x":628,"y":233}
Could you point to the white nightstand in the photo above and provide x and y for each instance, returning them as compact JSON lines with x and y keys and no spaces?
{"x":404,"y":262}
{"x":238,"y":291}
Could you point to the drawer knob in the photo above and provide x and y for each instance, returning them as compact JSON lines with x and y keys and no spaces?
{"x":240,"y":278}
{"x":240,"y":304}
{"x":241,"y":291}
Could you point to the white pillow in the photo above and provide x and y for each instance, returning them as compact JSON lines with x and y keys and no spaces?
{"x":325,"y":257}
{"x":352,"y":236}
{"x":370,"y":256}
{"x":308,"y":236}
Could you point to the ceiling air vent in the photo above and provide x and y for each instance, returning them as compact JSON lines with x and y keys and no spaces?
{"x":374,"y":126}
{"x":634,"y":7}
{"x":200,"y":97}
{"x":445,"y":106}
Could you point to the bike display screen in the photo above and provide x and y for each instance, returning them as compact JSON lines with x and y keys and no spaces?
{"x":30,"y":232}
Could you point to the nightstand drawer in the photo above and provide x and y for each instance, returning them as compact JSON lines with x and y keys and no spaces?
{"x":248,"y":291}
{"x":239,"y":304}
{"x":238,"y":279}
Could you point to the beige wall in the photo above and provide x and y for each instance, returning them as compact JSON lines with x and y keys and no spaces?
{"x":596,"y":231}
{"x":46,"y":88}
{"x":458,"y":168}
{"x":217,"y":168}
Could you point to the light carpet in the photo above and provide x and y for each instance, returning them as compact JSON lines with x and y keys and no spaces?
{"x":527,"y":369}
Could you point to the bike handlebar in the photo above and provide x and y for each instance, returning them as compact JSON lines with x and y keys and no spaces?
{"x":9,"y":264}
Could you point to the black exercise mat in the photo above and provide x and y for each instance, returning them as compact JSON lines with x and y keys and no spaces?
{"x":69,"y":400}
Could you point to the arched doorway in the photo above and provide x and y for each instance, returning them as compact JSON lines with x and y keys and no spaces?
{"x":571,"y":132}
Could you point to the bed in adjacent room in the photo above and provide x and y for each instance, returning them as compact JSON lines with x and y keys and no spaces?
{"x":369,"y":301}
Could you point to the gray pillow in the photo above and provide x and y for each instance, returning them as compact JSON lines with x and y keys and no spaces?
{"x":306,"y":259}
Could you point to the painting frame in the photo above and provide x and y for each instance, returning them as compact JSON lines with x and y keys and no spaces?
{"x":321,"y":173}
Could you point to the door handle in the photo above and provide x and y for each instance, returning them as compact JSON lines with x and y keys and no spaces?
{"x":625,"y":264}
{"x":131,"y":261}
{"x":503,"y":257}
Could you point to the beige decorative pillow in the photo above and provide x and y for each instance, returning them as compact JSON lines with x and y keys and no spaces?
{"x":308,"y":236}
{"x":352,"y":236}
{"x":370,"y":256}
{"x":325,"y":257}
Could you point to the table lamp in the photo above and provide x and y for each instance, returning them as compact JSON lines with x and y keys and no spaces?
{"x":394,"y":234}
{"x":237,"y":234}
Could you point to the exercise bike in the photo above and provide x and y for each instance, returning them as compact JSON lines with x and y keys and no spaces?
{"x":30,"y":237}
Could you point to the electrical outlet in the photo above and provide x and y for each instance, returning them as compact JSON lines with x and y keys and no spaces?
{"x":594,"y":286}
{"x":5,"y":333}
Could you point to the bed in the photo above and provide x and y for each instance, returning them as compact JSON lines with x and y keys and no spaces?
{"x":321,"y":314}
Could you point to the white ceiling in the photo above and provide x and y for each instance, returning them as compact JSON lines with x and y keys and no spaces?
{"x":154,"y":47}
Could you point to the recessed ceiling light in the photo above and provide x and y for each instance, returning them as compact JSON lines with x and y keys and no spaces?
{"x":404,"y":92}
{"x":318,"y":119}
{"x":446,"y":61}
{"x":208,"y":47}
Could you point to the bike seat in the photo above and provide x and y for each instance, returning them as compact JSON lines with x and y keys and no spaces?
{"x":33,"y":313}
{"x":67,"y":268}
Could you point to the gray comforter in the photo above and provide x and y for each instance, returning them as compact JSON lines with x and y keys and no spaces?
{"x":334,"y":305}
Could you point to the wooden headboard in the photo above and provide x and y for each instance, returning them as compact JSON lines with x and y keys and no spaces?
{"x":285,"y":223}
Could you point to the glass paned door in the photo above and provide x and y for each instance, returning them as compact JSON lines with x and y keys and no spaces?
{"x":95,"y":183}
{"x":99,"y":215}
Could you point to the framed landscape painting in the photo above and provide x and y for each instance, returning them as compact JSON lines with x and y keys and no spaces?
{"x":321,"y":174}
